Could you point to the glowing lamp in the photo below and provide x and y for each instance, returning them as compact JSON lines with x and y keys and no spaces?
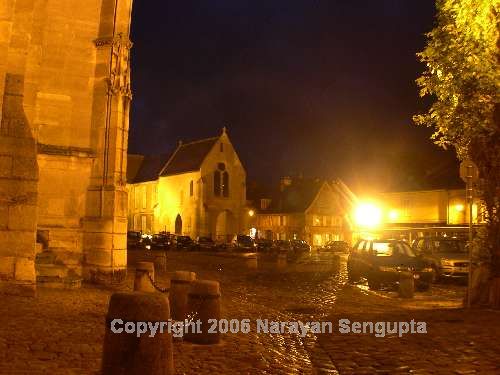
{"x":393,"y":215}
{"x":368,"y":215}
{"x":251,"y":213}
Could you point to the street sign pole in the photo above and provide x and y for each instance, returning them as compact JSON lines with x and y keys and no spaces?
{"x":470,"y":198}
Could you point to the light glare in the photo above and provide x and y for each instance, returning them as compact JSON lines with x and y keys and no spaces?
{"x":368,"y":215}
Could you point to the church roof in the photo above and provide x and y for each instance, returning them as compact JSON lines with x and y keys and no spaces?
{"x":294,"y":198}
{"x":298,"y":196}
{"x":149,"y":169}
{"x":134,"y":162}
{"x":188,"y":157}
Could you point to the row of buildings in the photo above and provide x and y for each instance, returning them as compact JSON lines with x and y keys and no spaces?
{"x":201,"y":190}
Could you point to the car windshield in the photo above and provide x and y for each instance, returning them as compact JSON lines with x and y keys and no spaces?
{"x":244,"y":239}
{"x":383,"y":249}
{"x":387,"y":249}
{"x":205,"y":239}
{"x":449,"y":246}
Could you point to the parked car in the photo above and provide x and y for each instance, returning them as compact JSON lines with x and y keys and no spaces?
{"x":146,"y":241}
{"x":133,"y":239}
{"x":184,"y":243}
{"x":282,"y":245}
{"x":381,"y":261}
{"x":447,"y":256}
{"x":205,"y":243}
{"x":162,"y":241}
{"x":336,"y":247}
{"x":244,"y":243}
{"x":300,"y":246}
{"x":264,"y":245}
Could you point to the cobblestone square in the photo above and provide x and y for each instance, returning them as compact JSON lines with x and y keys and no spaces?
{"x":61,"y":331}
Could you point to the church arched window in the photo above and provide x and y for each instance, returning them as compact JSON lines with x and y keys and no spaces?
{"x":221,"y":181}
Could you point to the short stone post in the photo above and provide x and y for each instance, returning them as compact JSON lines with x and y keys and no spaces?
{"x":126,"y":353}
{"x":282,"y":259}
{"x":203,"y":304}
{"x":180,"y":284}
{"x":406,"y":284}
{"x":142,"y":283}
{"x":160,"y":261}
{"x":251,"y":261}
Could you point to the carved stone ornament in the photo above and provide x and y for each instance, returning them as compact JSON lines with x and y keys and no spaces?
{"x":119,"y":79}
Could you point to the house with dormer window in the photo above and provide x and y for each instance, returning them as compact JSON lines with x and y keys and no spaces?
{"x":198,"y":190}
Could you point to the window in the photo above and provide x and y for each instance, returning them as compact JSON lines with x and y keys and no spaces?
{"x":225,"y":184}
{"x":217,"y":183}
{"x":329,"y":221}
{"x":406,"y":207}
{"x":221,"y":147}
{"x":383,"y":249}
{"x":144,"y":197}
{"x":265,"y":203}
{"x":221,"y":181}
{"x":137,"y":193}
{"x":191,"y":188}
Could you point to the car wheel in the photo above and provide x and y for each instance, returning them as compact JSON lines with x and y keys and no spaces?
{"x":352,"y":276}
{"x":435,"y":275}
{"x":373,"y":283}
{"x":422,"y":287}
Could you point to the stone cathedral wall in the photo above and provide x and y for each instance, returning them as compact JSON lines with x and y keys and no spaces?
{"x":64,"y":99}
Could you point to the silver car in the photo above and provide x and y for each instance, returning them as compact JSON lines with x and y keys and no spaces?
{"x":447,"y":256}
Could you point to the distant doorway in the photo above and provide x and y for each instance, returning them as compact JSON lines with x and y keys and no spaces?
{"x":178,"y":225}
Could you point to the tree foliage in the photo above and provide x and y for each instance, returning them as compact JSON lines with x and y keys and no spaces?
{"x":463,"y":77}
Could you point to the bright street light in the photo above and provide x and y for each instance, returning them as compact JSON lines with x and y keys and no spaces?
{"x":368,"y":215}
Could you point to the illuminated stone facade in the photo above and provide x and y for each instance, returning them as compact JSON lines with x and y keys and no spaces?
{"x":303,"y":209}
{"x":198,"y":191}
{"x":409,"y":214}
{"x":64,"y":108}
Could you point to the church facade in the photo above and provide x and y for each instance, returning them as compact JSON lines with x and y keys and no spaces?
{"x":199,"y":190}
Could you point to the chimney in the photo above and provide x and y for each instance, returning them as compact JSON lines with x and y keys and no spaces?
{"x":284,"y":182}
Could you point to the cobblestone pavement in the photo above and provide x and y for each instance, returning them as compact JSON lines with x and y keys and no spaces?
{"x":457,"y":341}
{"x":61,"y":331}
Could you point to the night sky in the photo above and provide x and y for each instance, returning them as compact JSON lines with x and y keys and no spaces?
{"x":314,"y":87}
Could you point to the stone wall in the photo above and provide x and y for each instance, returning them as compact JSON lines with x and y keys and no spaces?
{"x":65,"y":98}
{"x":18,"y":166}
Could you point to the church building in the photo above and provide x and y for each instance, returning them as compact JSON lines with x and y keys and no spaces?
{"x":199,"y":190}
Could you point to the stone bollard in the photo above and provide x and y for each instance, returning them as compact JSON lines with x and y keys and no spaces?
{"x":160,"y":261}
{"x":282,"y":260}
{"x":180,"y":284}
{"x":142,"y":283}
{"x":203,"y":304}
{"x":251,"y":262}
{"x":406,"y":284}
{"x":125,"y":353}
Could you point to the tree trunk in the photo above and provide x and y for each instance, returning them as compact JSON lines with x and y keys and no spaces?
{"x":480,"y":285}
{"x":495,"y":293}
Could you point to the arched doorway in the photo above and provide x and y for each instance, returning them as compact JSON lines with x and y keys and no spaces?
{"x":178,"y":225}
{"x":224,"y":226}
